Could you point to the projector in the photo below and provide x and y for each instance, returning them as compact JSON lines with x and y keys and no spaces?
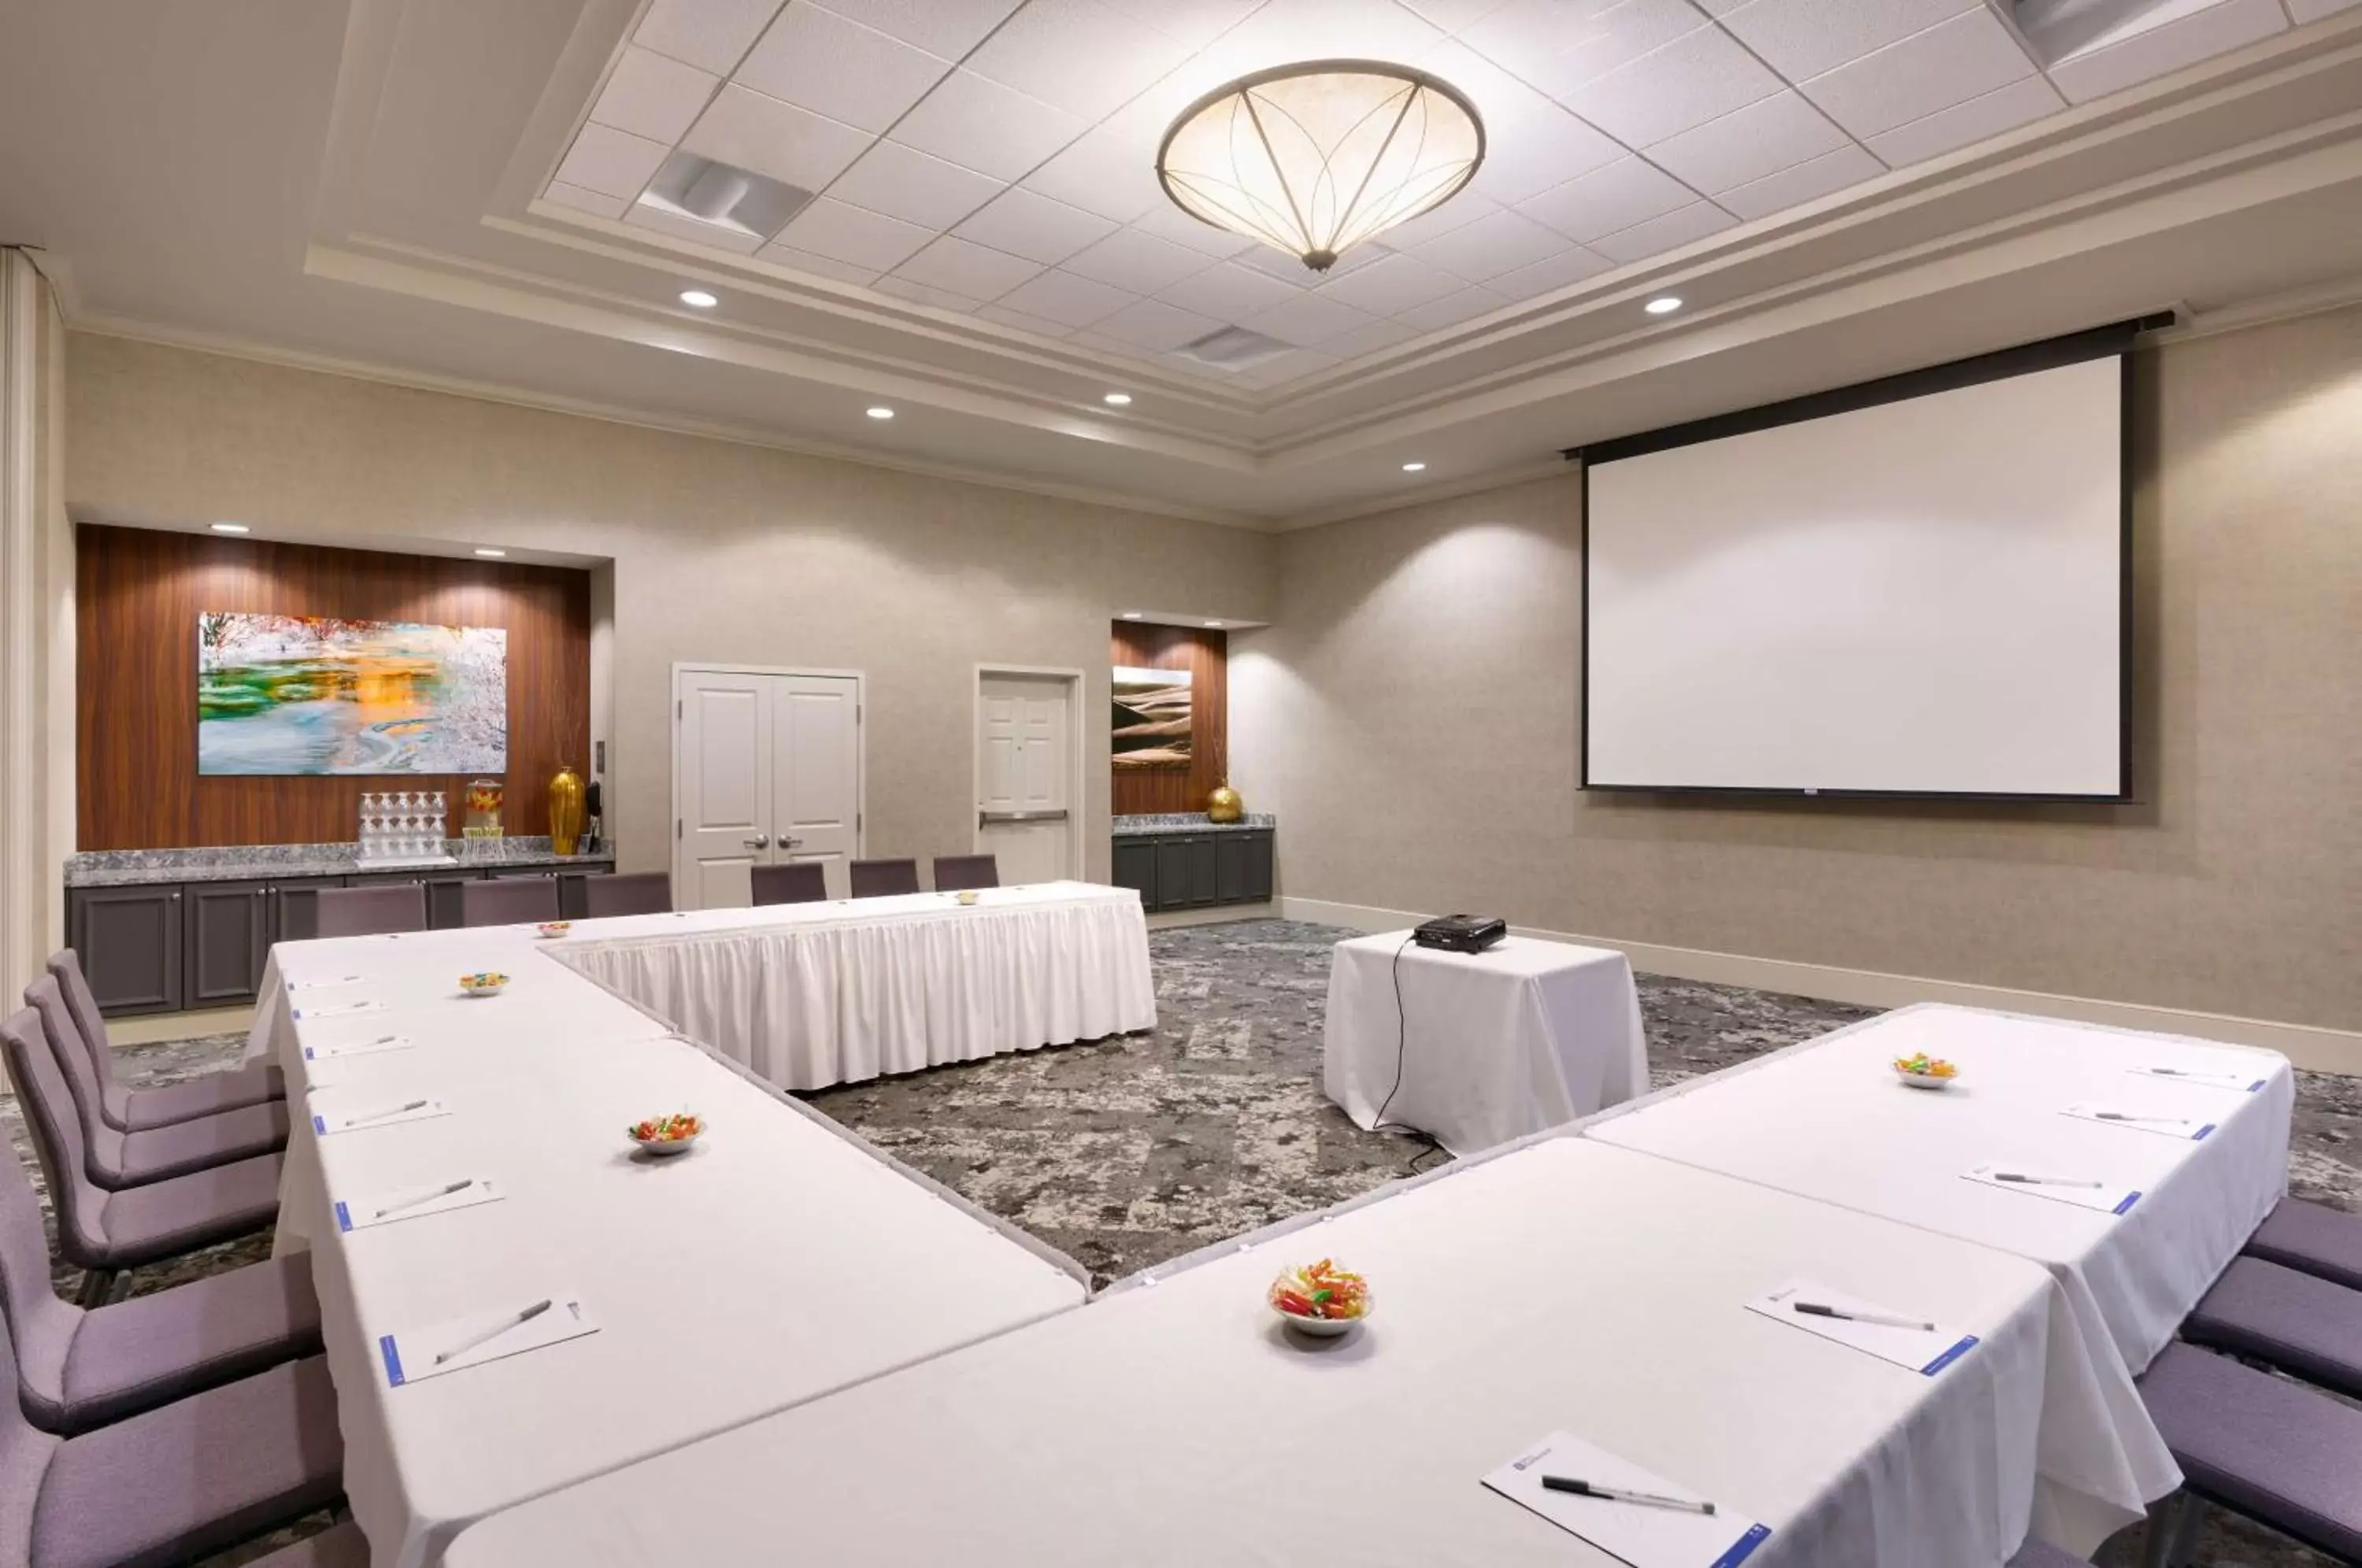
{"x":1462,"y":933}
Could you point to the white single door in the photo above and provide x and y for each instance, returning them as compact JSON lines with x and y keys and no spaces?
{"x":816,"y":769}
{"x":1024,"y":759}
{"x":725,"y":752}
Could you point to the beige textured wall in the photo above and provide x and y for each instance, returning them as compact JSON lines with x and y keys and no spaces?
{"x":722,"y":552}
{"x":1413,"y":716}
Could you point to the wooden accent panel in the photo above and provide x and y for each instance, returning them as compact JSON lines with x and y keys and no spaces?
{"x":1206,"y":656}
{"x":138,"y":593}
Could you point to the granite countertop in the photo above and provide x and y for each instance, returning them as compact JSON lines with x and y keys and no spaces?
{"x":134,"y":868}
{"x":1162,"y":823}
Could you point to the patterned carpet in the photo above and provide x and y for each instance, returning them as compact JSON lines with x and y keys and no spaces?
{"x":1127,"y":1151}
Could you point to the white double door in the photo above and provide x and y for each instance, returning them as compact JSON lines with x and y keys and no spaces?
{"x":766,"y":770}
{"x":1023,"y":765}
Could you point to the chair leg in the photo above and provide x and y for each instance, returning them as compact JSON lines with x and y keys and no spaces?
{"x":98,"y":1285}
{"x":2172,"y":1532}
{"x":2185,"y":1534}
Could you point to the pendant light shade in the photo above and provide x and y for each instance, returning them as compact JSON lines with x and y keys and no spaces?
{"x":1316,"y":157}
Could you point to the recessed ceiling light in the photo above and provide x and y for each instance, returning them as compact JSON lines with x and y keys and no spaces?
{"x":1663,"y":305}
{"x":697,"y":299}
{"x":881,"y":411}
{"x":1116,"y":400}
{"x":1414,"y":467}
{"x":229,"y":528}
{"x":1131,"y":614}
{"x":1213,"y":626}
{"x":495,"y":554}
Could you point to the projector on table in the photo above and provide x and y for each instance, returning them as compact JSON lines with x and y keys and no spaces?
{"x":1462,"y":933}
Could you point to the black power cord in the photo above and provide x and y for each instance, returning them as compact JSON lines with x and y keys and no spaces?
{"x":1402,"y":1035}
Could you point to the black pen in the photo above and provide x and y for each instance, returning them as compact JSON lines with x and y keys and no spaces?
{"x":1618,"y":1495}
{"x":1817,"y":1309}
{"x":2120,"y":1116}
{"x":2044,"y":1180}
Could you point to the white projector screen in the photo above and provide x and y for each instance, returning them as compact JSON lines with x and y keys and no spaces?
{"x":1922,"y":596}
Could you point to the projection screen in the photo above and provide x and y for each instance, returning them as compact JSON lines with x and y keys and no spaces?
{"x":1921,"y":596}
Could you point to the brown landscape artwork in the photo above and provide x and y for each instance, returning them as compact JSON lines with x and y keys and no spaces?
{"x":1150,"y":721}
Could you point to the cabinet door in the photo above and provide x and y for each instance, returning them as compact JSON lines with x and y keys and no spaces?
{"x":1172,"y":873}
{"x":295,"y":908}
{"x":227,"y":928}
{"x":1133,"y":865}
{"x":128,"y":940}
{"x":1231,"y":868}
{"x":1205,"y":870}
{"x":573,"y":895}
{"x":1257,"y":876}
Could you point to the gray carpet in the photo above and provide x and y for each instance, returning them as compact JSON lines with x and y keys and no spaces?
{"x":1126,"y":1152}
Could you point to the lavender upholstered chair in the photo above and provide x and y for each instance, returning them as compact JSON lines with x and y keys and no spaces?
{"x":372,"y":911}
{"x":2259,"y":1445}
{"x":2042,"y":1554}
{"x":2314,"y":1239}
{"x":79,"y":1370}
{"x":798,"y":882}
{"x":342,"y":1547}
{"x":134,"y":1110}
{"x":116,"y":1159}
{"x":954,"y":872}
{"x":884,"y":878}
{"x":102,"y":1232}
{"x":172,"y":1485}
{"x":2307,"y":1326}
{"x":636,"y":892}
{"x":508,"y":901}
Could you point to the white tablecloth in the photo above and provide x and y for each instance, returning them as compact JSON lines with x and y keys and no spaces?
{"x":809,"y":995}
{"x":1490,"y":1045}
{"x":778,"y":1261}
{"x":1567,"y":1286}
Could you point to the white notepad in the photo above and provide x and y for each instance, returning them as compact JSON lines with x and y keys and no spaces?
{"x":413,"y":1202}
{"x":2206,"y":1077}
{"x":410,"y":1355}
{"x":1925,"y":1350}
{"x":341,"y":1010}
{"x":2189,"y":1129}
{"x":360,"y":1119}
{"x":321,"y":985}
{"x":358,"y":1047}
{"x":1642,"y":1534}
{"x":2108,"y":1198}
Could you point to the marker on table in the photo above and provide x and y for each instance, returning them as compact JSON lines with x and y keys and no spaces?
{"x":2121,"y":1116}
{"x":2045,"y":1181}
{"x":1618,"y":1495}
{"x":423,"y":1104}
{"x":489,"y":1335}
{"x":426,"y":1197}
{"x":1818,"y":1309}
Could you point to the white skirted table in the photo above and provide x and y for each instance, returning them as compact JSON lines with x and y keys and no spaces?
{"x":1566,"y":1288}
{"x":809,"y":995}
{"x":1486,"y":1046}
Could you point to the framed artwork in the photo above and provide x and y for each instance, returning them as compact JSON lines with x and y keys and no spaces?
{"x":1151,"y":722}
{"x":306,"y":694}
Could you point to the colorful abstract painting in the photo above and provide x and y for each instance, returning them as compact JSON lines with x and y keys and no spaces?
{"x":282,"y":694}
{"x":1150,"y":721}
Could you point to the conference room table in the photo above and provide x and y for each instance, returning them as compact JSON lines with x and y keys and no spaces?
{"x":814,"y":994}
{"x":1478,"y":1049}
{"x":1560,"y":1294}
{"x":778,"y":1260}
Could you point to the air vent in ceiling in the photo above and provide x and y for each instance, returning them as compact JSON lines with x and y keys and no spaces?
{"x":1233,"y":349}
{"x":729,"y":198}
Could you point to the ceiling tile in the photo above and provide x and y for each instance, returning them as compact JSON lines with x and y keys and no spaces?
{"x":1659,"y":234}
{"x":1561,"y":270}
{"x":822,"y":266}
{"x":1229,"y":292}
{"x":788,"y":144}
{"x":1452,"y":309}
{"x":976,"y":270}
{"x":821,"y":61}
{"x":1167,"y":221}
{"x":1368,"y":339}
{"x":1454,"y":14}
{"x":986,"y":127}
{"x":1803,"y":38}
{"x":2305,"y":11}
{"x":1128,"y":350}
{"x":1665,"y":92}
{"x":710,"y":34}
{"x":909,"y":185}
{"x":1140,"y":262}
{"x":668,"y":219}
{"x":1064,"y":297}
{"x":1024,"y":224}
{"x":2128,"y":57}
{"x":1946,"y":65}
{"x":1193,"y":24}
{"x":1041,"y":326}
{"x":1530,"y":142}
{"x":654,"y":96}
{"x":612,"y":162}
{"x":584,"y":200}
{"x":1627,"y":192}
{"x":1765,"y":138}
{"x":1460,"y":210}
{"x":1306,"y":319}
{"x":1491,"y":246}
{"x":925,"y":294}
{"x":1290,"y":268}
{"x":1394,"y":284}
{"x":1294,"y":365}
{"x":1084,"y":57}
{"x":1104,"y":172}
{"x":1801,"y":183}
{"x":1558,"y":45}
{"x":946,"y":28}
{"x":1152,"y":323}
{"x":855,"y":235}
{"x":2028,"y":99}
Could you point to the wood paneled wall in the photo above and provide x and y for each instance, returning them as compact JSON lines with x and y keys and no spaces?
{"x":139,"y":594}
{"x":1206,"y":656}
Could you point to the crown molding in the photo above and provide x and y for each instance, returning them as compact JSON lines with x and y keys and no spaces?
{"x":1554,"y":467}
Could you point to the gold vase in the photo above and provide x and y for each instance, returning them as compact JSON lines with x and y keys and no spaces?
{"x":1224,"y":805}
{"x":565,"y":809}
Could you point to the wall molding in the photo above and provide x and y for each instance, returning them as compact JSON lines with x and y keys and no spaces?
{"x":2310,"y":1046}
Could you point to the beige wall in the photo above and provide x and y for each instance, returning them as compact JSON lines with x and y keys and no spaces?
{"x":1413,"y":716}
{"x":722,"y":552}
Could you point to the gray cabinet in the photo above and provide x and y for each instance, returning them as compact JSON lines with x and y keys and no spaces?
{"x":1195,"y":870}
{"x":1133,"y":865}
{"x":295,"y":908}
{"x":1242,"y":868}
{"x":128,"y":940}
{"x":226,"y":932}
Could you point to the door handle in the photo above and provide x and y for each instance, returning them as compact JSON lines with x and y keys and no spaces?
{"x":1054,"y":816}
{"x":788,"y":843}
{"x":760,"y":840}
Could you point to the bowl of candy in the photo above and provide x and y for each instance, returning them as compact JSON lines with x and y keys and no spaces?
{"x":672,"y":1135}
{"x":485,"y":983}
{"x":1321,"y":1299}
{"x":550,"y":928}
{"x":1923,"y":1071}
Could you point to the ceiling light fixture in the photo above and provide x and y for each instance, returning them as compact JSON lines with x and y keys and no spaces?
{"x":1414,"y":467}
{"x":1131,"y":614}
{"x":1316,"y":157}
{"x":881,"y":411}
{"x":493,"y":553}
{"x":1117,"y":399}
{"x":1663,"y":305}
{"x":230,"y":528}
{"x":1213,"y":626}
{"x":697,"y":299}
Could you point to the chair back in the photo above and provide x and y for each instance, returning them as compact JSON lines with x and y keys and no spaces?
{"x":372,"y":912}
{"x":508,"y":901}
{"x":884,"y":878}
{"x":65,"y":969}
{"x":102,"y":1140}
{"x":41,"y":1324}
{"x":25,"y":1456}
{"x":56,"y":1134}
{"x":796,"y":883}
{"x":955,"y":872}
{"x":636,"y":892}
